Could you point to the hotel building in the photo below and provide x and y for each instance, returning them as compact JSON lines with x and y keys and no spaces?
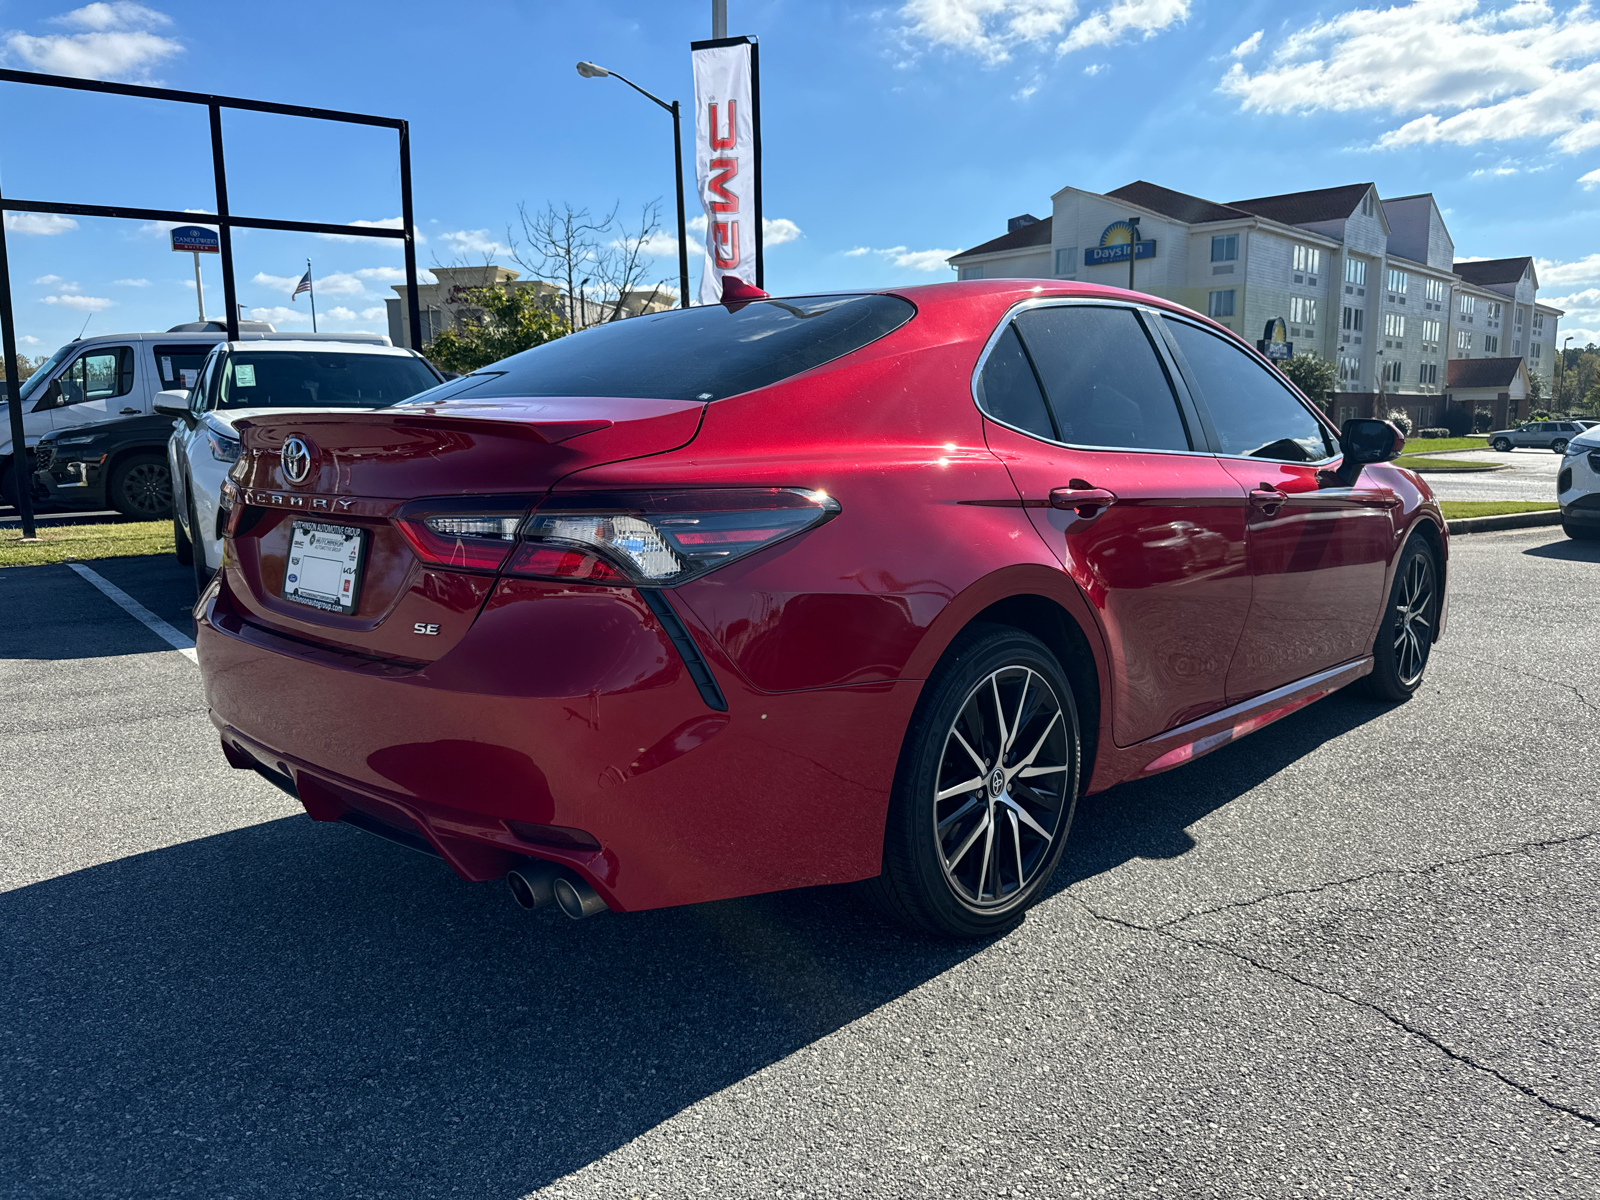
{"x":1372,"y":285}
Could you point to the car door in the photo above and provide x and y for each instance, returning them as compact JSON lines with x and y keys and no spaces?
{"x":184,"y":441}
{"x":1081,"y":405}
{"x":95,"y":387}
{"x":1318,"y":550}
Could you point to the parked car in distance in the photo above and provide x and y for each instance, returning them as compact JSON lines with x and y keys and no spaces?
{"x":93,"y":380}
{"x":1578,"y":487}
{"x":1537,"y":435}
{"x":777,"y":593}
{"x":118,"y":464}
{"x":241,"y":379}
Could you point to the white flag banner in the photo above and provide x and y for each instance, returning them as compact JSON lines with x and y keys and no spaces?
{"x":725,"y":163}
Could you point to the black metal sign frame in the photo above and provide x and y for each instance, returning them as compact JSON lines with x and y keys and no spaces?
{"x":222,"y":218}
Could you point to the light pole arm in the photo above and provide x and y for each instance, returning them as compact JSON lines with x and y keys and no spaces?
{"x":642,"y":92}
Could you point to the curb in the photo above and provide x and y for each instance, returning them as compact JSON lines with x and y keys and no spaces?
{"x":1529,"y":520}
{"x":1460,"y":470}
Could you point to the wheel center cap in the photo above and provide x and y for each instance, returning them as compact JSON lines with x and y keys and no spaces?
{"x":997,"y":783}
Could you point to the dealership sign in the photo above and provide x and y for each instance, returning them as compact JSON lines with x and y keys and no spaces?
{"x":1274,"y":341}
{"x":726,"y":163}
{"x":1117,"y":245}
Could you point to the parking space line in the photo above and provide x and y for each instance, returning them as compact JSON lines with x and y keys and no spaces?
{"x":183,"y":645}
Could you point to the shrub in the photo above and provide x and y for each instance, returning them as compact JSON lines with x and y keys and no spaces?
{"x":1482,"y":421}
{"x":1458,"y":420}
{"x":1434,"y":432}
{"x":1538,"y":414}
{"x":1400,"y":420}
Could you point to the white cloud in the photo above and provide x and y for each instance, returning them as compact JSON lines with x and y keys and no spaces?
{"x":278,"y":283}
{"x":992,"y":29}
{"x":339,"y":283}
{"x":900,"y":256}
{"x":56,"y":281}
{"x":1094,"y":69}
{"x":41,"y":224}
{"x":1247,"y":47}
{"x":339,"y":313}
{"x":1474,"y":73}
{"x":118,"y":43}
{"x":474,"y":243}
{"x":132,"y":282}
{"x":1564,"y":274}
{"x":375,"y":313}
{"x":775,"y":231}
{"x":386,"y":223}
{"x":1592,"y":179}
{"x":280,"y":315}
{"x":390,"y":275}
{"x":92,"y":304}
{"x":28,"y":339}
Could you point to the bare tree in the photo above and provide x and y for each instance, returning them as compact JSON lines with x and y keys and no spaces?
{"x":564,"y":246}
{"x":623,"y":264}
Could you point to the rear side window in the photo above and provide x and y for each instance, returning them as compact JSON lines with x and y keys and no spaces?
{"x":1101,"y":376}
{"x":702,"y":353}
{"x":101,"y":374}
{"x":179,"y":366}
{"x":1255,"y":415}
{"x":1009,"y":391}
{"x":320,"y":379}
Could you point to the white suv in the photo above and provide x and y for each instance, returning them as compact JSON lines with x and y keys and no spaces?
{"x":1578,"y":486}
{"x":242,"y":379}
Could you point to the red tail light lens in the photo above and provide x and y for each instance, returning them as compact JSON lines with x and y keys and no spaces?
{"x":663,"y":539}
{"x":469,"y":534}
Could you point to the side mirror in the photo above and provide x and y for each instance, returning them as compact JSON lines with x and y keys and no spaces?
{"x":174,"y":403}
{"x":51,"y":397}
{"x":1364,"y":440}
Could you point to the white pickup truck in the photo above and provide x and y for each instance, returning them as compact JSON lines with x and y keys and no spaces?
{"x":113,"y":376}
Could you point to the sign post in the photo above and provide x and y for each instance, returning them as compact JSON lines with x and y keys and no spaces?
{"x":198,"y":240}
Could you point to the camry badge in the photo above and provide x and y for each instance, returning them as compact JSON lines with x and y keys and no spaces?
{"x":295,"y":458}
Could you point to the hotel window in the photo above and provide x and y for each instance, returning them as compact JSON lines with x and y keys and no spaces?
{"x":1307,"y":259}
{"x":1353,"y":318}
{"x":1394,"y":325}
{"x":1538,"y":322}
{"x":1349,"y":369}
{"x":1391,"y":371}
{"x":1519,"y":320}
{"x":1397,"y":281}
{"x":1302,"y":310}
{"x":1225,"y":247}
{"x":1536,"y":351}
{"x":1221,"y":304}
{"x":1491,"y":345}
{"x":1494,"y":310}
{"x":1430,"y":331}
{"x":1428,"y":374}
{"x":972,"y":272}
{"x":1463,"y":340}
{"x":1067,"y":262}
{"x":1368,"y":205}
{"x":1437,"y":291}
{"x":1355,"y":271}
{"x":1468,"y":304}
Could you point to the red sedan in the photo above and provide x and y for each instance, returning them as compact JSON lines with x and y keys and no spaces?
{"x":777,"y":593}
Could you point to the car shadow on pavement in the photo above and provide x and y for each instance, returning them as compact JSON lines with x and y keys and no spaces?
{"x":1568,"y":550}
{"x":295,"y":1009}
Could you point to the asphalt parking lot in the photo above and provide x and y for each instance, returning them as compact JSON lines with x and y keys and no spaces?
{"x":1524,"y":475}
{"x":1351,"y":955}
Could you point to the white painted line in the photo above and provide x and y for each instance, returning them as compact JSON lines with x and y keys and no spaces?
{"x":183,"y":645}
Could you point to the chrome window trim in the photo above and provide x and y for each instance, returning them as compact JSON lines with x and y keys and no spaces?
{"x":1078,"y":301}
{"x":1293,"y":394}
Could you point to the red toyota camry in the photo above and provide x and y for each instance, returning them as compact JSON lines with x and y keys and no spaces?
{"x":798,"y":591}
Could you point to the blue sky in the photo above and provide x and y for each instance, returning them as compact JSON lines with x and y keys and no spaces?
{"x":894,"y":135}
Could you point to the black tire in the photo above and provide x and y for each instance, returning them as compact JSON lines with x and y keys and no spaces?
{"x":197,"y":553}
{"x":931,"y":879}
{"x":1410,"y":620}
{"x":141,"y":487}
{"x":1501,"y":445}
{"x":1581,"y":533}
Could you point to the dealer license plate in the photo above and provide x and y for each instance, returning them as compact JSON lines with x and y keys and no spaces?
{"x":324,"y":568}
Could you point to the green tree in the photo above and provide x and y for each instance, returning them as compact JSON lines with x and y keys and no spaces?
{"x":1313,"y":375}
{"x":500,"y":322}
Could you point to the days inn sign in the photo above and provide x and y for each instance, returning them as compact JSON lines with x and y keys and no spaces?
{"x":1117,"y":245}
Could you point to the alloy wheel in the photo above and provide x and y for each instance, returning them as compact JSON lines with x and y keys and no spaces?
{"x":148,"y":489}
{"x":1000,"y":790}
{"x":1413,"y":626}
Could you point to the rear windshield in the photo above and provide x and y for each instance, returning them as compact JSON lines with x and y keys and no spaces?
{"x":321,"y":379}
{"x":702,"y":353}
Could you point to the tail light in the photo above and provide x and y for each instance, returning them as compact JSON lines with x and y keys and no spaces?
{"x":660,"y":539}
{"x":473,"y":533}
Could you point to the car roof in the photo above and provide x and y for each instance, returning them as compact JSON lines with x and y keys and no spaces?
{"x":301,"y":346}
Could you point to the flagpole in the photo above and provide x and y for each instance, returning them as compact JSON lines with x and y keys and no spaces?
{"x":311,"y":286}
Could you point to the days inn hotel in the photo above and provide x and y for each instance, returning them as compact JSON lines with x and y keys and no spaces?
{"x":1370,"y":284}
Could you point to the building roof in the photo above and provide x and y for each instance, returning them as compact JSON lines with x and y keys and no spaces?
{"x":1036,"y":234}
{"x":1481,"y":372}
{"x":1493,"y":270}
{"x":1304,"y":208}
{"x":1191,"y":210}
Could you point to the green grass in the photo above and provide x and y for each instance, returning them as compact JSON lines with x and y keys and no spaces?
{"x":1417,"y":445}
{"x":1491,"y":508}
{"x":57,"y":543}
{"x":1418,"y":462}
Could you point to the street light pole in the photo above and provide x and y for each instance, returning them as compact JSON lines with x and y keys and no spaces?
{"x":1133,"y":247}
{"x":1561,"y":368}
{"x":590,"y":70}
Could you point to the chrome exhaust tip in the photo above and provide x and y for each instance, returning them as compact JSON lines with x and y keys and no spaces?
{"x":531,"y":884}
{"x":576,"y":898}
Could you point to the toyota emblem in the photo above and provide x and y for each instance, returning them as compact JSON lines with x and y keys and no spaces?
{"x":295,"y":458}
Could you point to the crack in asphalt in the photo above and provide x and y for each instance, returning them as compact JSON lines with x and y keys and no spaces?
{"x":1520,"y":848}
{"x":1582,"y":699}
{"x":1397,"y":1021}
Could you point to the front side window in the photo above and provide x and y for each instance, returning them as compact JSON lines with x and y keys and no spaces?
{"x":1220,"y":304}
{"x":1225,"y":247}
{"x":101,"y":374}
{"x":1255,"y":415}
{"x":1102,"y":378}
{"x":320,"y":379}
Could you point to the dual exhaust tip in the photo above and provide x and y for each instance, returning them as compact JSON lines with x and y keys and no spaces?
{"x":536,"y":884}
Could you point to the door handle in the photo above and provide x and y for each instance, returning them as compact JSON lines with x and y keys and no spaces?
{"x":1088,"y":501}
{"x":1267,"y":498}
{"x":129,"y":412}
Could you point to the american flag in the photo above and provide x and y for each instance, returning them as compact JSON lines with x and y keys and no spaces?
{"x":303,"y":286}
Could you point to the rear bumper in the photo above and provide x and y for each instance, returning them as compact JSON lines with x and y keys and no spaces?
{"x":570,"y":708}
